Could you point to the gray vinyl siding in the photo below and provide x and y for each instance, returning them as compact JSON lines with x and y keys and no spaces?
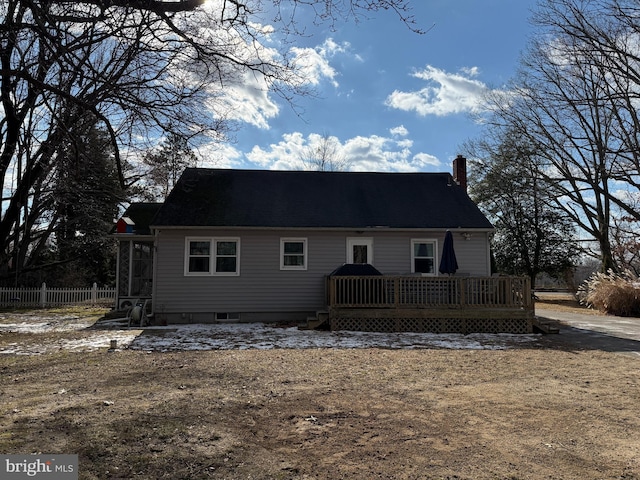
{"x":262,"y":290}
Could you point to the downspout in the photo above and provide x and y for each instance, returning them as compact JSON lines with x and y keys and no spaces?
{"x":117,"y":301}
{"x":489,"y":239}
{"x":154,"y":263}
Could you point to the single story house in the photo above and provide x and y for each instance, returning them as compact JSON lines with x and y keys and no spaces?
{"x":258,"y":245}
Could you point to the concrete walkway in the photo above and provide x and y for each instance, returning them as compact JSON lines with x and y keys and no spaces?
{"x":594,"y":332}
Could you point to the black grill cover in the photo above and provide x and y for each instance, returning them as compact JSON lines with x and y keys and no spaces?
{"x":359,"y":269}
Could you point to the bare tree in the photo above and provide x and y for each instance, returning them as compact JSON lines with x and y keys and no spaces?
{"x":573,"y":100}
{"x":605,"y":35}
{"x":626,"y":250}
{"x":533,"y":235}
{"x":324,"y":154}
{"x":138,"y":67}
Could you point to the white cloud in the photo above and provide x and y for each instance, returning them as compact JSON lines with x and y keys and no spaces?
{"x":623,"y":192}
{"x":445,"y":93}
{"x":236,"y":93}
{"x":371,"y":154}
{"x":377,"y":154}
{"x":247,"y":101}
{"x":247,"y":97}
{"x":219,"y":155}
{"x":425,"y":160}
{"x":284,"y":155}
{"x":471,"y":71}
{"x":330,"y":47}
{"x":313,"y":63}
{"x":400,"y":131}
{"x":313,"y":66}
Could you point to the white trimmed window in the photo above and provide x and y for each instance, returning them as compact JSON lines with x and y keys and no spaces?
{"x":212,"y":256}
{"x":198,"y":256}
{"x":423,"y":256}
{"x":227,"y":256}
{"x":293,"y":254}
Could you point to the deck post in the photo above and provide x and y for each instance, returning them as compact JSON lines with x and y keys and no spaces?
{"x":528,"y":297}
{"x":462,"y":283}
{"x":396,"y":292}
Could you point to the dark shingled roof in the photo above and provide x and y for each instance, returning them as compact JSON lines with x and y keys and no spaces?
{"x":280,"y":199}
{"x":141,"y":214}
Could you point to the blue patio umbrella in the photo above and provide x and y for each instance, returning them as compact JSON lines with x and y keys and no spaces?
{"x":448,"y":262}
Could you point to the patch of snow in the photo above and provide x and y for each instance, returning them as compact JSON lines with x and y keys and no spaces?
{"x":94,"y":340}
{"x":260,"y":336}
{"x":25,"y":327}
{"x":239,"y":336}
{"x":102,"y":340}
{"x":34,"y":323}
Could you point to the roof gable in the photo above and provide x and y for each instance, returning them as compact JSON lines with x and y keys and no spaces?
{"x":303,"y":199}
{"x":137,"y":218}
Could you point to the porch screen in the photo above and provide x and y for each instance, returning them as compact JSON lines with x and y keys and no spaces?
{"x":142,"y":268}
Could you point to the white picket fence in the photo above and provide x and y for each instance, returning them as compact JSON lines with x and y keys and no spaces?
{"x":49,"y":297}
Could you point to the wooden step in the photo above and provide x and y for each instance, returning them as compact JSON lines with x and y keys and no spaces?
{"x":313,"y":323}
{"x":545,"y":327}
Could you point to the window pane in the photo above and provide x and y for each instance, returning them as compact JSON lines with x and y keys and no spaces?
{"x":226,"y":248}
{"x":294,"y":261}
{"x":423,"y":250}
{"x":198,"y":264}
{"x":199,"y":248}
{"x":226,"y":264}
{"x":294,"y":247}
{"x":424,"y":265}
{"x":360,"y":254}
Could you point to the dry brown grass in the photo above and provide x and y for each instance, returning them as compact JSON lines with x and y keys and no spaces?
{"x":524,"y":413}
{"x":564,"y":302}
{"x":328,"y":414}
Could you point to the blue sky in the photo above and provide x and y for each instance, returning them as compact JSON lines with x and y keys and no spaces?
{"x":394,"y":100}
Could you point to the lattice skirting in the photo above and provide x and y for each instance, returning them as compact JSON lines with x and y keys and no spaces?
{"x":433,"y":325}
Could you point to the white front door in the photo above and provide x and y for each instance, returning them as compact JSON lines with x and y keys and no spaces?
{"x":360,"y":250}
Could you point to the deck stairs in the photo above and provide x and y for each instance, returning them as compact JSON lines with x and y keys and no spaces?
{"x":319,"y":321}
{"x":542,"y":325}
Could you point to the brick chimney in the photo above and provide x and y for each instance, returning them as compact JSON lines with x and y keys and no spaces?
{"x":460,"y":171}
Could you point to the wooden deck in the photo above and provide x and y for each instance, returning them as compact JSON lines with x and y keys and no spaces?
{"x":431,"y":304}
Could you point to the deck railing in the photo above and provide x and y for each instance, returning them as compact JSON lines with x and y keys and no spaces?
{"x":429,"y":292}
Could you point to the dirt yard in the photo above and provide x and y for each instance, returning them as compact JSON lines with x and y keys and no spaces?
{"x":535,"y":410}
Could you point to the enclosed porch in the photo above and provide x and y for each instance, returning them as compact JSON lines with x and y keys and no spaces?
{"x":430,"y":304}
